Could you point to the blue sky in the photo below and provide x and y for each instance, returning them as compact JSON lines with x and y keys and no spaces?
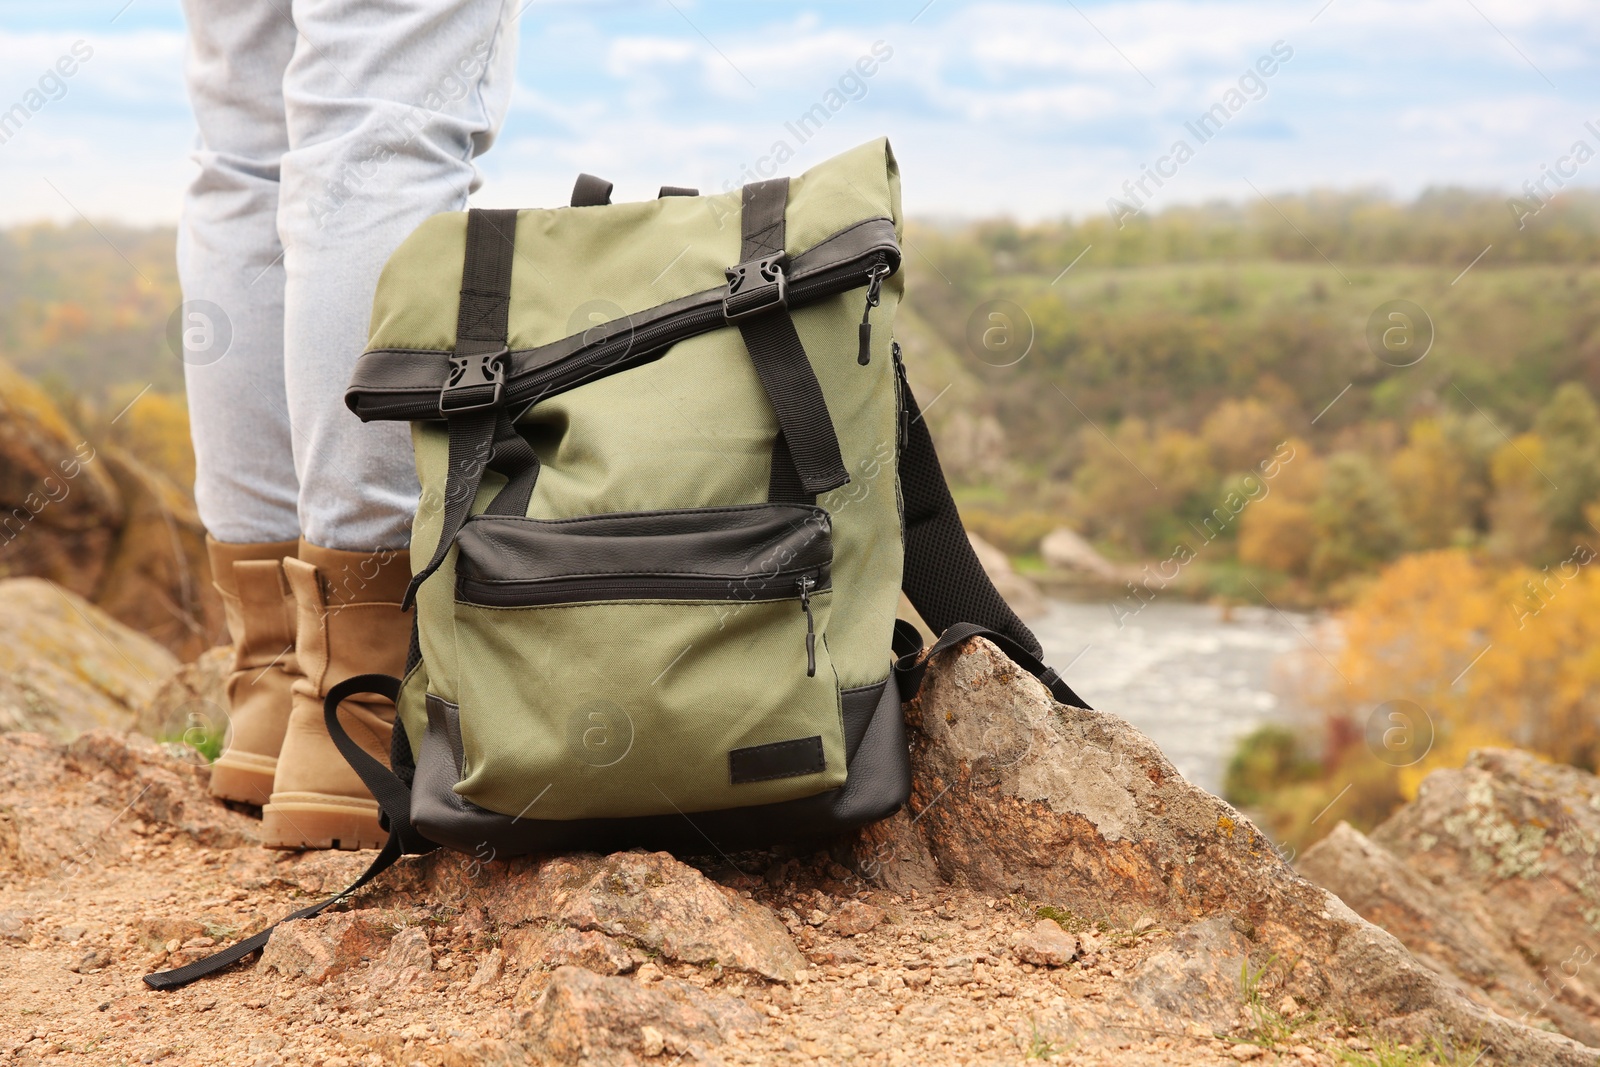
{"x":1028,"y":109}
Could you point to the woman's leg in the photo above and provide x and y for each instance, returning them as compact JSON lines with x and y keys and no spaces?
{"x":230,"y":263}
{"x":387,"y":105}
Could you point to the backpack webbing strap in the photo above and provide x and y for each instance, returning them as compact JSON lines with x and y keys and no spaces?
{"x":762,"y":225}
{"x":589,"y":191}
{"x":783,"y":484}
{"x":911,"y":662}
{"x":182,"y":976}
{"x":757,"y":304}
{"x":482,"y":436}
{"x":393,"y":797}
{"x":943,"y":578}
{"x":514,"y":457}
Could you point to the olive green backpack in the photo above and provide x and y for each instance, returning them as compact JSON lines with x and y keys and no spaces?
{"x":673,"y":484}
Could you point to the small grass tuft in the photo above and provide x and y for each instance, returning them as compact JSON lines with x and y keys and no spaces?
{"x":1433,"y":1054}
{"x":1268,"y":1026}
{"x":1041,"y":1046}
{"x":207,"y":741}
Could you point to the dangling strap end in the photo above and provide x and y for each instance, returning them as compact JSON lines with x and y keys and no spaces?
{"x":409,"y":601}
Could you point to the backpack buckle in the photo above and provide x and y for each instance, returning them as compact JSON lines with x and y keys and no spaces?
{"x":755,"y":286}
{"x":476,"y":381}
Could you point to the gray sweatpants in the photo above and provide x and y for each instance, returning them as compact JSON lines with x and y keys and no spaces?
{"x":323,"y":141}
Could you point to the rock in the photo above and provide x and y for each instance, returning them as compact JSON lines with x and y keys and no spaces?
{"x":16,"y":928}
{"x":1195,"y":979}
{"x":66,"y":666}
{"x":408,"y":957}
{"x":90,"y":960}
{"x":972,"y":443}
{"x":1015,"y":793}
{"x":1023,"y":596}
{"x":588,"y":1018}
{"x":854,"y":917}
{"x":1488,"y":878}
{"x":1064,"y":550}
{"x":490,"y":969}
{"x":174,"y":786}
{"x":59,"y":509}
{"x":647,"y":901}
{"x":652,"y":1042}
{"x":70,"y":809}
{"x":192,"y":698}
{"x":157,"y":576}
{"x":100,"y":523}
{"x":316,"y":949}
{"x":157,"y":931}
{"x":590,"y":950}
{"x":1288,"y":1007}
{"x":835,"y":954}
{"x":1046,"y":945}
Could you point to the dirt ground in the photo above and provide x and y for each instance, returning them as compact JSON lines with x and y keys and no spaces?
{"x":934,"y":980}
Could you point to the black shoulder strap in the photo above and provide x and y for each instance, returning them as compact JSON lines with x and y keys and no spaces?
{"x":482,"y":436}
{"x":589,"y":191}
{"x":394,"y":799}
{"x":911,"y":659}
{"x":943,"y":579}
{"x":806,"y":459}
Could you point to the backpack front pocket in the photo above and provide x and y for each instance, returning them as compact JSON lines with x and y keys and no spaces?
{"x":646,"y":663}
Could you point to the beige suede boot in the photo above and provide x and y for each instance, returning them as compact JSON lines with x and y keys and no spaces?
{"x":349,"y":623}
{"x":260,"y":613}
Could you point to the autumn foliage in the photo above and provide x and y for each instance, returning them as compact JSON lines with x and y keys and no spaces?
{"x":1446,"y":651}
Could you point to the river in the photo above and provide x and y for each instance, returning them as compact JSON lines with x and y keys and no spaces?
{"x":1190,"y":681}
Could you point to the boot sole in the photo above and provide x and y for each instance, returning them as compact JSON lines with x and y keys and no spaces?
{"x":244,"y":777}
{"x":321,"y":820}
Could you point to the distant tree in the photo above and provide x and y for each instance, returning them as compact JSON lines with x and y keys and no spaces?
{"x":1242,"y":434}
{"x":1138,"y":485}
{"x":1278,"y":534}
{"x":1519,"y":512}
{"x":1357,"y":519}
{"x":1434,"y":487}
{"x":1569,"y":425}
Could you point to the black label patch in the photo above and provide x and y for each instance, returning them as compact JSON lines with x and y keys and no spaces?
{"x":780,"y":759}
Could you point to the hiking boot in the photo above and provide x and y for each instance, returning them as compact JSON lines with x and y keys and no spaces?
{"x":260,"y":613}
{"x":349,"y":622}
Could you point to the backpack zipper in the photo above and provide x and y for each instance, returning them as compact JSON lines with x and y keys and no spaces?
{"x":396,"y":390}
{"x":539,"y":592}
{"x":875,"y":275}
{"x":806,"y":583}
{"x":618,"y":352}
{"x":902,"y":423}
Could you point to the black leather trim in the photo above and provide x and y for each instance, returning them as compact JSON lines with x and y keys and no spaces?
{"x":878,"y":785}
{"x":403,"y":383}
{"x":858,"y":706}
{"x":589,"y":191}
{"x":777,"y":759}
{"x":742,"y":552}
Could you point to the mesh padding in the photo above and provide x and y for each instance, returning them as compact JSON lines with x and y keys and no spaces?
{"x":943,"y":578}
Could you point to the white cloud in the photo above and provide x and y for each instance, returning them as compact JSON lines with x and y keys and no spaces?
{"x":1002,"y":106}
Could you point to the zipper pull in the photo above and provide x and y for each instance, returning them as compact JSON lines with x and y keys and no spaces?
{"x":902,"y":412}
{"x":875,"y":276}
{"x":806,"y":584}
